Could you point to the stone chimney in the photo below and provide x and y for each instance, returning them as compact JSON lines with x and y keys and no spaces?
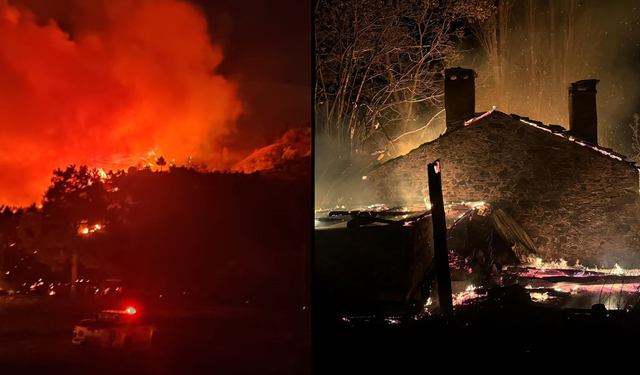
{"x":583,"y":117}
{"x":459,"y":97}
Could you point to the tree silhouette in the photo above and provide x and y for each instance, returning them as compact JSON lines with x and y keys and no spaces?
{"x":156,"y":224}
{"x":161,"y":162}
{"x":8,"y":232}
{"x":76,"y":198}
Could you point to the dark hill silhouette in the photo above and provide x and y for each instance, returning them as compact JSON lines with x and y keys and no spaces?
{"x":228,"y":237}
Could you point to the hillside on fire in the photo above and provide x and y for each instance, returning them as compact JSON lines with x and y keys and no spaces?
{"x":289,"y":149}
{"x":215,"y":236}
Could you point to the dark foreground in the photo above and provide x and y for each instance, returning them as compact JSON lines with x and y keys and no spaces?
{"x":35,"y":338}
{"x":505,"y":340}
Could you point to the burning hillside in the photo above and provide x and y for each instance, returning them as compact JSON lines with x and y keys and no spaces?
{"x":117,"y":86}
{"x":293,"y":145}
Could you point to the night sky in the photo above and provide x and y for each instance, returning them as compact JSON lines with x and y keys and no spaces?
{"x":618,"y":67}
{"x":613,"y":57}
{"x":267,"y":48}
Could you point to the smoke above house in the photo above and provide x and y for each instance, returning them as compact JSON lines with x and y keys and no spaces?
{"x":527,"y":65}
{"x":123,"y":82}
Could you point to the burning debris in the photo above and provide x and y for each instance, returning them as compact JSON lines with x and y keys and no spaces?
{"x":541,"y":190}
{"x":486,"y":251}
{"x":464,"y":297}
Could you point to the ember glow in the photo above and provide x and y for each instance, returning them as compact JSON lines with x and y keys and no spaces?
{"x":132,"y":80}
{"x":537,"y":267}
{"x":464,"y":297}
{"x":85,"y":229}
{"x":427,"y":203}
{"x":471,"y":121}
{"x":539,"y":297}
{"x":612,"y":286}
{"x":601,"y":150}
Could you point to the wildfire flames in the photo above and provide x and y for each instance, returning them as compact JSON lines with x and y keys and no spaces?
{"x":123,"y":83}
{"x":84,"y":229}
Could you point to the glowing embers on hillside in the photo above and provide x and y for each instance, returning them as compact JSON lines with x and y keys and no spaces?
{"x":85,"y":229}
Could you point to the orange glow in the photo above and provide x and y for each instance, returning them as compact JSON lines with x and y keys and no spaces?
{"x":102,"y":173}
{"x":133,"y":77}
{"x":427,"y":202}
{"x":574,"y":140}
{"x":471,"y":121}
{"x":130,"y":310}
{"x":84,"y":228}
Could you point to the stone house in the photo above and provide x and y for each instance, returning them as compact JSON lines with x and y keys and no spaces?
{"x":575,"y":199}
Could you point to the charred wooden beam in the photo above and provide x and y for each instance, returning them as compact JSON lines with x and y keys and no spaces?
{"x":371,"y":213}
{"x":542,"y":273}
{"x":360,"y":220}
{"x":510,"y":230}
{"x":441,"y":254}
{"x":587,"y":280}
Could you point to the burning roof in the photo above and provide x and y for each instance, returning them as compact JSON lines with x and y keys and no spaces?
{"x":556,"y":130}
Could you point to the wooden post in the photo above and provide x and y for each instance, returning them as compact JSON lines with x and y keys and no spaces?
{"x":443,"y":274}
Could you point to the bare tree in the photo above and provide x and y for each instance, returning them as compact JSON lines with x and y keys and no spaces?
{"x":379,"y":64}
{"x":379,"y":75}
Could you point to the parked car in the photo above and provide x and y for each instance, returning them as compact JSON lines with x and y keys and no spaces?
{"x":125,"y":329}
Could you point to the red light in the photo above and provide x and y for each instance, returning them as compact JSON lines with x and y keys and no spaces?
{"x":130,"y":310}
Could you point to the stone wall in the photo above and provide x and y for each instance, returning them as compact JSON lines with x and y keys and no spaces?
{"x":574,"y":202}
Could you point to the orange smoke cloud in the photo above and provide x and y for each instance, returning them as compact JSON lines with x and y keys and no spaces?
{"x":140,"y":80}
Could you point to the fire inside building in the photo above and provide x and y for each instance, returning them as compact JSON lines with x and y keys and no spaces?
{"x":527,"y":204}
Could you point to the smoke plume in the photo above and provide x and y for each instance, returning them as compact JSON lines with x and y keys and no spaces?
{"x":121,"y":83}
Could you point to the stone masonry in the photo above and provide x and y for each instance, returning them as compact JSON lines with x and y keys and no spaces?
{"x":573,"y":201}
